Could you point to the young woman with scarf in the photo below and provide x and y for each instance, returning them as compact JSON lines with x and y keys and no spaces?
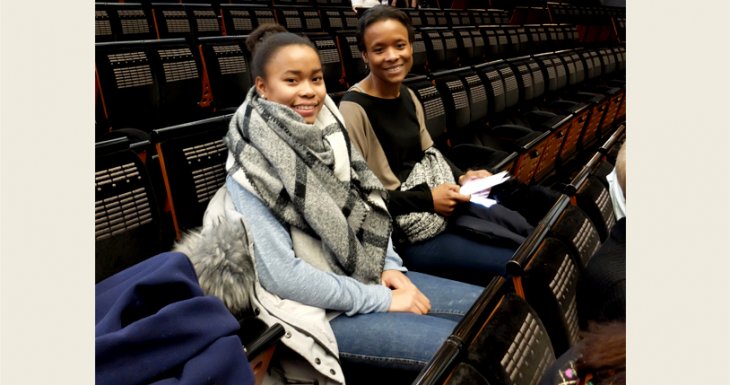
{"x":319,"y":232}
{"x":386,"y":123}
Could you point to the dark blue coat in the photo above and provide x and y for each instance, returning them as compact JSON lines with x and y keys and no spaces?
{"x":154,"y":325}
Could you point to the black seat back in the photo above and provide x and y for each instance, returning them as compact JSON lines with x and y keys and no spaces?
{"x":129,"y":222}
{"x":433,"y":108}
{"x":299,"y":19}
{"x":331,"y":61}
{"x":547,"y":274}
{"x":185,"y":20}
{"x":151,"y":83}
{"x":227,"y":63}
{"x":570,"y":225}
{"x":123,"y":21}
{"x":239,"y":19}
{"x":193,"y":160}
{"x":353,"y":65}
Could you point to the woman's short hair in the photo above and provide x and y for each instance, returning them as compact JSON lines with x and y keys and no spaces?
{"x":265,"y":40}
{"x":378,"y":13}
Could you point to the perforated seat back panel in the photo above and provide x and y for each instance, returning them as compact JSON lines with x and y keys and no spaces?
{"x":419,"y":54}
{"x":331,"y":64}
{"x":102,"y":25}
{"x":495,"y":89}
{"x":455,"y":97}
{"x":122,"y":202}
{"x":355,"y":69}
{"x":511,"y":89}
{"x":433,"y":107}
{"x":128,"y":226}
{"x":550,"y":282}
{"x":479,"y":104}
{"x":228,"y":72}
{"x":512,"y":347}
{"x":577,"y":232}
{"x":129,"y":86}
{"x":194,"y":164}
{"x":181,"y":85}
{"x":595,"y":200}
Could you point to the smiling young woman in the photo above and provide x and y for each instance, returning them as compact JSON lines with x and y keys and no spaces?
{"x":320,"y":233}
{"x":388,"y":52}
{"x":294,"y":78}
{"x":386,"y":123}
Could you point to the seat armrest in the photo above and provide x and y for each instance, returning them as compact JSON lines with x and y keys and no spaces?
{"x":256,"y":336}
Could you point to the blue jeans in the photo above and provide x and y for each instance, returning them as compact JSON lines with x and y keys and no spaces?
{"x":455,"y":256}
{"x":399,"y":345}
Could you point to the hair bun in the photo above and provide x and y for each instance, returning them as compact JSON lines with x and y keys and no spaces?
{"x":262,"y":32}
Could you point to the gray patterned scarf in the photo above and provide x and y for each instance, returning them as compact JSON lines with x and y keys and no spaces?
{"x":312,"y":179}
{"x":432,"y":170}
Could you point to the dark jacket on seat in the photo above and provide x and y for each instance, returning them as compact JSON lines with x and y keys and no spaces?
{"x":155,"y":326}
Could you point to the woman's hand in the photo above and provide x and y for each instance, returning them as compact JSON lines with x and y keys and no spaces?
{"x":445,"y":198}
{"x":395,"y":279}
{"x":473,"y":174}
{"x":406,"y":296}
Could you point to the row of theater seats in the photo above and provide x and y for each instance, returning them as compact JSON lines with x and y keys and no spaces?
{"x":526,"y":97}
{"x":132,"y":21}
{"x":145,"y":82}
{"x":520,"y":324}
{"x":183,"y":163}
{"x":514,"y":331}
{"x":155,"y":83}
{"x":529,"y":115}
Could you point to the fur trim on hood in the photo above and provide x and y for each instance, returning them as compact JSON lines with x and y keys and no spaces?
{"x":222,"y":260}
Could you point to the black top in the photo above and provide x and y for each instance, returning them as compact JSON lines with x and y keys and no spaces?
{"x":396,"y":125}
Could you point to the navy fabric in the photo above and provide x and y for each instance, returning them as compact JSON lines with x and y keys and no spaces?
{"x":154,"y":325}
{"x":496,"y":225}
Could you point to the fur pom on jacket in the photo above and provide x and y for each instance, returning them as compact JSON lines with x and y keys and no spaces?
{"x":223,"y":256}
{"x":222,"y":260}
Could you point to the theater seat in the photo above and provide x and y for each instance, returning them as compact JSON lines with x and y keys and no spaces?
{"x":149,"y":84}
{"x":592,"y":196}
{"x":570,"y":225}
{"x":545,"y":273}
{"x":185,"y":20}
{"x":500,"y":341}
{"x":353,"y":66}
{"x":464,"y":155}
{"x":338,"y":19}
{"x":298,"y":19}
{"x":123,"y":22}
{"x":511,"y":346}
{"x":227,"y":64}
{"x":192,"y":158}
{"x":332,"y":66}
{"x":240,"y":19}
{"x":130,"y":225}
{"x":444,"y":368}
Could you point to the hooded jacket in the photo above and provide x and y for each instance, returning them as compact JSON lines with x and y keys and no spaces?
{"x":223,"y":257}
{"x":154,"y":325}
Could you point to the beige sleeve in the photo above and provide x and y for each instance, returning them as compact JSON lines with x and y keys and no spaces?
{"x":426,"y":140}
{"x":364,"y":139}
